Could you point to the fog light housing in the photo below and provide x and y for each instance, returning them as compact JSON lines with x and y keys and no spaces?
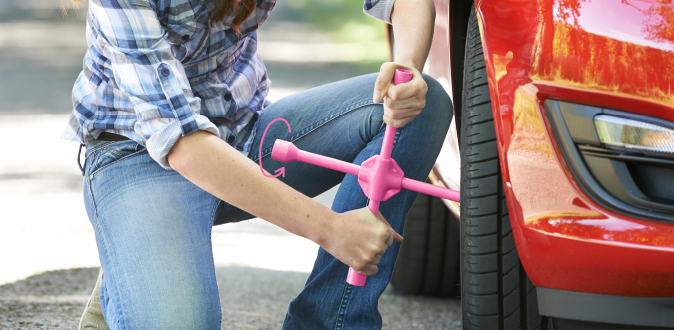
{"x":624,"y":133}
{"x":621,"y":160}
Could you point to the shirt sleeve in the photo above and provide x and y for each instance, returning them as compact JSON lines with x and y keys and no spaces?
{"x":379,"y":9}
{"x":132,"y":39}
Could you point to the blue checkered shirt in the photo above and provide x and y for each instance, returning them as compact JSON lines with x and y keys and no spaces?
{"x":157,"y":70}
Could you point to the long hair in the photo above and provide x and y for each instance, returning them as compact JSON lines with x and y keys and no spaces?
{"x":221,"y":10}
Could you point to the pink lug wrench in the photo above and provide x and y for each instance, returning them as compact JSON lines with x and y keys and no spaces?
{"x":380,"y":176}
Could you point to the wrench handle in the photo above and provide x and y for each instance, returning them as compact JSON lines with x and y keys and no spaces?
{"x":400,"y":76}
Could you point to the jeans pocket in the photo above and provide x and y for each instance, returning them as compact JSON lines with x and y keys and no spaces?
{"x":111,"y":154}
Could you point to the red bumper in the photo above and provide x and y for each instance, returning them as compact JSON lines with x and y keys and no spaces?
{"x":567,"y":241}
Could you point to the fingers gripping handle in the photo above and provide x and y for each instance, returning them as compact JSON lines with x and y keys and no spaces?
{"x":400,"y":76}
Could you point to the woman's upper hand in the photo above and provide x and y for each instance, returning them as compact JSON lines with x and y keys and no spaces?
{"x":402,"y":102}
{"x":359,"y":239}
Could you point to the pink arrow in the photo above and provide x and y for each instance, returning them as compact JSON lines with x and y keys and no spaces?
{"x":380,"y":177}
{"x":281,"y":171}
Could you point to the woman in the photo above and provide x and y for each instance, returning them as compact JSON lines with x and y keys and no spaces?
{"x":171,"y":106}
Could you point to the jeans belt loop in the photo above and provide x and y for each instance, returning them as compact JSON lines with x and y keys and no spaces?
{"x":79,"y":164}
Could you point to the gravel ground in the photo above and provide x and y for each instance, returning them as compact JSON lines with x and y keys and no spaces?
{"x":51,"y":300}
{"x":251,"y":299}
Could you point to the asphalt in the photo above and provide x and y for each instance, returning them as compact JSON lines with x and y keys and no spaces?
{"x":48,"y":257}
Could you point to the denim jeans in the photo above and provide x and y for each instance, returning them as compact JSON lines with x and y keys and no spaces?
{"x":153,"y":226}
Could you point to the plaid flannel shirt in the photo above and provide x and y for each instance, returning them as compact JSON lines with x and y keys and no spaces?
{"x":156,"y":70}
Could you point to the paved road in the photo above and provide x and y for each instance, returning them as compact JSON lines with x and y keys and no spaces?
{"x":48,"y":258}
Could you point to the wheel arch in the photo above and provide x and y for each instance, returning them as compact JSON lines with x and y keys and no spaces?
{"x":459,"y":14}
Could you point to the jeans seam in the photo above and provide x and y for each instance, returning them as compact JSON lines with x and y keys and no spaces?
{"x":215,"y":209}
{"x":100,"y":146}
{"x":210,"y":241}
{"x":116,"y":161}
{"x":314,"y":126}
{"x":344,"y":303}
{"x":107,"y":250}
{"x":114,"y":152}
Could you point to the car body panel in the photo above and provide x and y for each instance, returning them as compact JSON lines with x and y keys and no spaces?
{"x":535,"y":50}
{"x":437,"y":64}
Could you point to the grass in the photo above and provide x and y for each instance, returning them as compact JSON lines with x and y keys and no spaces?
{"x":344,"y":22}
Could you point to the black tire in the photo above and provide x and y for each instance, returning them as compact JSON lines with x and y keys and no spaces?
{"x":428,"y":261}
{"x":496,"y":292}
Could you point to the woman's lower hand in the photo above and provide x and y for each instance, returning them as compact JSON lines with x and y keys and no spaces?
{"x":402,"y":102}
{"x":359,"y":239}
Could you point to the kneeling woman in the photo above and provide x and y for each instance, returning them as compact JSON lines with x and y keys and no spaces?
{"x":171,"y":105}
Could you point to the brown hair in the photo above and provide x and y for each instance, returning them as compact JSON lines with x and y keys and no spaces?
{"x":222,"y":8}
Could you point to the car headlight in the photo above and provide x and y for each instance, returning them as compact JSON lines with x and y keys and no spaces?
{"x":632,"y":134}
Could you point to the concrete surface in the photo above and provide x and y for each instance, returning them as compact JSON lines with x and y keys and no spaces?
{"x":48,"y":257}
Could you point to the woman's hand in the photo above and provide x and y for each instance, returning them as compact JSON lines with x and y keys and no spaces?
{"x":359,"y":239}
{"x":402,"y":102}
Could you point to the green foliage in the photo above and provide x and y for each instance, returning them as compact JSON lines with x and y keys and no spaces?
{"x":343,"y":20}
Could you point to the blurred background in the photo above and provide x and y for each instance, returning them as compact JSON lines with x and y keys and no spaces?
{"x":48,"y":256}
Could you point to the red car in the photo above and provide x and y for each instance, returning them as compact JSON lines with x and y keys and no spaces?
{"x":563,"y":148}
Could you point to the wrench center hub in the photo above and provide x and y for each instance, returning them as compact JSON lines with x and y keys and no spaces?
{"x":380,"y":178}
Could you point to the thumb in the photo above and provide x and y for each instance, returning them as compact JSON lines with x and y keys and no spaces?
{"x":383,"y":82}
{"x":396,"y":237}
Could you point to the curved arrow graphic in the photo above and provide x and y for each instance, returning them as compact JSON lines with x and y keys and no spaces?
{"x":281,"y":171}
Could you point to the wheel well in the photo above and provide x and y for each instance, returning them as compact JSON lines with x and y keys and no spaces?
{"x":460,"y":14}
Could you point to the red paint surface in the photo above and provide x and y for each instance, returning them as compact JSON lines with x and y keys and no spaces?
{"x":606,"y":53}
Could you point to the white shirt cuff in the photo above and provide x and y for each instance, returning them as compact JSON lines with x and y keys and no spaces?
{"x":161,"y":142}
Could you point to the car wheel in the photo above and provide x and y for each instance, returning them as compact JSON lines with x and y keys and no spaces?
{"x":428,"y":261}
{"x":496,"y":292}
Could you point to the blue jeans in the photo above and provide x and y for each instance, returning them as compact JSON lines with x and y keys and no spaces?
{"x":153,"y":226}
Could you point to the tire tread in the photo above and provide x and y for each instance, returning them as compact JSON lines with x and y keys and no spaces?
{"x":428,"y":261}
{"x":496,"y":292}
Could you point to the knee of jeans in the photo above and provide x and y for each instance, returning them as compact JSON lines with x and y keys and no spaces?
{"x":439,"y":106}
{"x":188,"y":316}
{"x":170,"y":311}
{"x":190,"y":321}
